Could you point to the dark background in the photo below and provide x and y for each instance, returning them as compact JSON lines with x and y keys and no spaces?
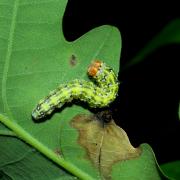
{"x":149,"y":94}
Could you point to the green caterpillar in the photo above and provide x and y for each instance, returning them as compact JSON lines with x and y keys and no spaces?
{"x":97,"y":94}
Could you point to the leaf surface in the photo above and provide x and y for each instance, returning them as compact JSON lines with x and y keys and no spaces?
{"x":34,"y":59}
{"x":172,"y":169}
{"x":20,"y":161}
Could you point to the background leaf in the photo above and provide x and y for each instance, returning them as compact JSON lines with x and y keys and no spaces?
{"x":179,"y":111}
{"x":36,"y":58}
{"x":169,"y":35}
{"x":20,"y":161}
{"x":172,"y":169}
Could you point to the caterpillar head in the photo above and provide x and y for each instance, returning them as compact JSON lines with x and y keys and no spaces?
{"x":38,"y":113}
{"x":42,"y":109}
{"x":94,"y":68}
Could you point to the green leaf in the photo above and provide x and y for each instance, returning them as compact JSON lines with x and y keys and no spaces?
{"x":36,"y":58}
{"x":179,"y":111}
{"x":144,"y":167}
{"x":19,"y":161}
{"x":172,"y":169}
{"x":169,"y":35}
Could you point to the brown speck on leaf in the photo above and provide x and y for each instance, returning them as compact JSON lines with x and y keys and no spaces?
{"x":73,"y":60}
{"x":105,"y":144}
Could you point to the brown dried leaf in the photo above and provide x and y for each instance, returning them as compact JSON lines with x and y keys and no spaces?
{"x":105,"y":143}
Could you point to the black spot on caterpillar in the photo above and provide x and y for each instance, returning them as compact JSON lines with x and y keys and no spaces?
{"x":97,"y":94}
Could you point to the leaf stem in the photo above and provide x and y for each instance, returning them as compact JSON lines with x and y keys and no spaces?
{"x":7,"y":133}
{"x":20,"y":132}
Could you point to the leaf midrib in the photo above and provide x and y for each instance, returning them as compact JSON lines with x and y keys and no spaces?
{"x":8,"y":57}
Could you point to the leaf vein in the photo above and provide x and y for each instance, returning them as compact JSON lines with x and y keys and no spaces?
{"x":8,"y":57}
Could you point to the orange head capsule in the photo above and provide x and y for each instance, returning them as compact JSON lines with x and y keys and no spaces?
{"x":94,"y":67}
